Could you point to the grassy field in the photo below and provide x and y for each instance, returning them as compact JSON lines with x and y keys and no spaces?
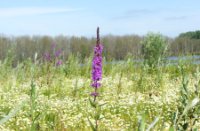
{"x":41,"y":96}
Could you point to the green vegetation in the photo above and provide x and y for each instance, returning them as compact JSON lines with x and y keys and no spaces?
{"x":154,"y":48}
{"x":191,"y":34}
{"x":116,"y":47}
{"x":131,"y":98}
{"x":44,"y":88}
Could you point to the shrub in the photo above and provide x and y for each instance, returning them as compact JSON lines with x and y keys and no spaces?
{"x":154,"y":49}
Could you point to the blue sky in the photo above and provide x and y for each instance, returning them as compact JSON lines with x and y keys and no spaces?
{"x":81,"y":17}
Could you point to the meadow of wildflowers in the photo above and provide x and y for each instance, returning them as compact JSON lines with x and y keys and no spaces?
{"x":57,"y":95}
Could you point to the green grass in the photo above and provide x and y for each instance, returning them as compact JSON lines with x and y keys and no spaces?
{"x":135,"y":97}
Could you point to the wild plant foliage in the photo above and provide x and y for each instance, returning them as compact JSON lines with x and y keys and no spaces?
{"x":96,"y":78}
{"x":154,"y":47}
{"x":115,"y":47}
{"x":41,"y":96}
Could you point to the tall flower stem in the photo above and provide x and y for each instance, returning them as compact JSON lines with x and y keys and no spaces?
{"x":97,"y":66}
{"x":97,"y":44}
{"x":96,"y":77}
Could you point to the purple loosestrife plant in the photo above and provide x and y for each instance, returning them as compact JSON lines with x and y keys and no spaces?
{"x":53,"y":58}
{"x":96,"y":77}
{"x":59,"y":62}
{"x":97,"y":66}
{"x":58,"y":53}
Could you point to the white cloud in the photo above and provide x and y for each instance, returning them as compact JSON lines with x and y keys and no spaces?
{"x":11,"y":12}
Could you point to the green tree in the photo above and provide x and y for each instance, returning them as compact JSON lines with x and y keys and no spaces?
{"x":191,"y":34}
{"x":154,"y":49}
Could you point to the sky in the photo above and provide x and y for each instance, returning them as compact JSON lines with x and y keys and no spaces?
{"x":81,"y":17}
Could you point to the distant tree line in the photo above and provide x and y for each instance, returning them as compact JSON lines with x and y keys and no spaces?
{"x":191,"y":34}
{"x":115,"y":47}
{"x":186,"y":43}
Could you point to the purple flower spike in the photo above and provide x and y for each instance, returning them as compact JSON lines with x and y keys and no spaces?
{"x":96,"y":84}
{"x":58,"y":53}
{"x":97,"y":63}
{"x":58,"y":63}
{"x":97,"y":66}
{"x":95,"y":94}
